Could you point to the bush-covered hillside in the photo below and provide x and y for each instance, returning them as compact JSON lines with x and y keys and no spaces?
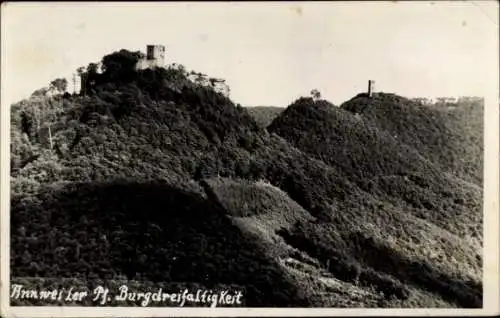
{"x":382,"y":165}
{"x":151,"y":176}
{"x":415,"y":202}
{"x":450,"y":135}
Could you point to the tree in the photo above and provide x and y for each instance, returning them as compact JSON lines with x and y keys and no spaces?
{"x":40,"y":92}
{"x":91,"y":75}
{"x":181,"y":68}
{"x":59,"y":84}
{"x":121,"y":63}
{"x":80,"y":70}
{"x":92,"y":68}
{"x":315,"y":94}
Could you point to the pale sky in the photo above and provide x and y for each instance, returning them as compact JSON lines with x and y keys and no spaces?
{"x":269,"y":53}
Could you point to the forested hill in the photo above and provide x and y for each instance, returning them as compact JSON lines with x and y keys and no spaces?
{"x":450,"y":135}
{"x":151,"y":175}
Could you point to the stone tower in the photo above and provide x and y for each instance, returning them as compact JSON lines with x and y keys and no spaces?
{"x":156,"y":53}
{"x":155,"y":57}
{"x":371,"y":87}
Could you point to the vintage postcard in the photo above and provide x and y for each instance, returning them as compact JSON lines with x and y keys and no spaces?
{"x":249,"y":159}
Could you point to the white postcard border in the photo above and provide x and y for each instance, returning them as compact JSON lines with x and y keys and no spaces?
{"x":491,"y":267}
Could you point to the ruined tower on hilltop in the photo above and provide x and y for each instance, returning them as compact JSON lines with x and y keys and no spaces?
{"x":371,"y":88}
{"x":155,"y":57}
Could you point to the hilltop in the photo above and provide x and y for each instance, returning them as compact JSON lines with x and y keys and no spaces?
{"x":450,"y":136}
{"x":149,"y":175}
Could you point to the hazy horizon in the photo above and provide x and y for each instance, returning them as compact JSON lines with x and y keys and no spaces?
{"x":269,"y":53}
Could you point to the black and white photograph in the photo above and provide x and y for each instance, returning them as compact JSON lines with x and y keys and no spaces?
{"x":227,"y":156}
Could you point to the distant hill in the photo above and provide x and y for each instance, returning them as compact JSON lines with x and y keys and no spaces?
{"x":450,"y":136}
{"x":149,"y":171}
{"x":264,"y":115}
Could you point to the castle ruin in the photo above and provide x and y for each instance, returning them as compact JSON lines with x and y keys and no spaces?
{"x":155,"y":57}
{"x":218,"y":85}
